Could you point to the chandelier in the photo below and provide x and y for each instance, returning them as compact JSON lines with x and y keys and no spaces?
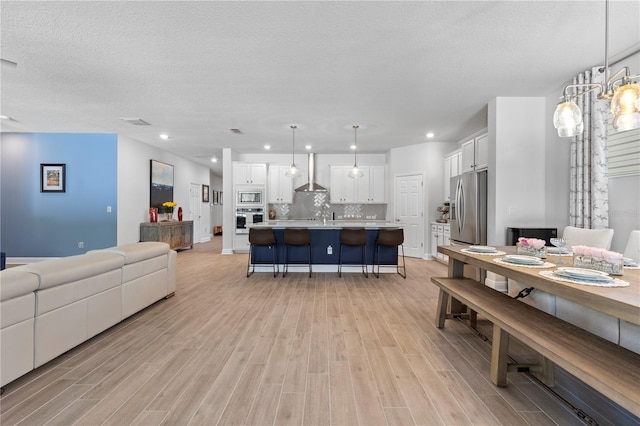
{"x":622,"y":88}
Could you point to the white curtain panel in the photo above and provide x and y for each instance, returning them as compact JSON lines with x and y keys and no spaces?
{"x":589,"y":183}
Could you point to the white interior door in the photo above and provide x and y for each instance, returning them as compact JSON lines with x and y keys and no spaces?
{"x":409,"y":213}
{"x":195,"y":210}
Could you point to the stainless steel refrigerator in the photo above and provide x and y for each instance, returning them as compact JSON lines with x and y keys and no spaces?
{"x":469,"y":208}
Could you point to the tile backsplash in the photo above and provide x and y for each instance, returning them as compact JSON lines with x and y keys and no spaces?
{"x":313,"y":205}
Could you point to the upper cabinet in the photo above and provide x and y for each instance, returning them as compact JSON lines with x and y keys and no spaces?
{"x":249,"y":174}
{"x":279,"y":187}
{"x":343,"y":188}
{"x":475,"y":153}
{"x":451,"y":169}
{"x":369,"y":189}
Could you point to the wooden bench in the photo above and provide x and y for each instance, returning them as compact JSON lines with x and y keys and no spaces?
{"x":605,"y":366}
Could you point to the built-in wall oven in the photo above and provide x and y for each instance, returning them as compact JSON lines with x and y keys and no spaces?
{"x":246,"y":216}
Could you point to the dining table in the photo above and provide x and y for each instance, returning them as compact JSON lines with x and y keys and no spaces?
{"x":622,"y":302}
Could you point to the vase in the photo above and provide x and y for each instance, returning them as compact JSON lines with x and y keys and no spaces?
{"x":531,"y":251}
{"x":168,"y":216}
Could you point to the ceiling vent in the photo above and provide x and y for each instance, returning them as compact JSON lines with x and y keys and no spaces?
{"x":136,"y":121}
{"x":236,"y":131}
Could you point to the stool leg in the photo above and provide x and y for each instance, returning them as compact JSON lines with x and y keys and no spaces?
{"x":249,"y":261}
{"x":309,"y":260}
{"x":274,"y":259}
{"x":376,"y":261}
{"x":286,"y":257}
{"x":340,"y":262}
{"x":364,"y":261}
{"x":404,"y":267}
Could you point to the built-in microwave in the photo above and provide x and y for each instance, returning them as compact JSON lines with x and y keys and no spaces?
{"x":249,"y":197}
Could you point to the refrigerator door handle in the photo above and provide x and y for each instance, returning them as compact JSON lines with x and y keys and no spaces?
{"x":458,"y":206}
{"x":461,"y":207}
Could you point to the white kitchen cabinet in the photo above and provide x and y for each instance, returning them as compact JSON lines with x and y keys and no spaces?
{"x":370,"y":188}
{"x":475,"y":153}
{"x":482,"y":151}
{"x":440,"y":236}
{"x":279,"y":186}
{"x":451,"y":169}
{"x":343,"y":188}
{"x":249,"y":174}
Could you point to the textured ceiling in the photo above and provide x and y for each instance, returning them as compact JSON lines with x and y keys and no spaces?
{"x":196,"y":69}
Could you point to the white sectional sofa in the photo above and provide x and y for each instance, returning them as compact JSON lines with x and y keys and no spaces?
{"x":52,"y":306}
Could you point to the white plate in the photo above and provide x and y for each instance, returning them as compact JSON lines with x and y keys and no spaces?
{"x":482,"y":249}
{"x":585,"y":273}
{"x":594,"y":279}
{"x":523,"y":260}
{"x":556,"y":250}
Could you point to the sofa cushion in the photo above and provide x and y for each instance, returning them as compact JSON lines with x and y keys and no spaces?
{"x":16,"y":282}
{"x":54,"y":272}
{"x":136,"y":252}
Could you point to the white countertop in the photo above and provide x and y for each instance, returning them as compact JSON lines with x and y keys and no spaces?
{"x":331,"y":224}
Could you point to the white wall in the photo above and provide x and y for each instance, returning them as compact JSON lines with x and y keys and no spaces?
{"x":517,"y":172}
{"x":427,"y":159}
{"x":134,"y":188}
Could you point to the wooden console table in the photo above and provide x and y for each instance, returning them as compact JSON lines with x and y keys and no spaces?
{"x":179,"y":235}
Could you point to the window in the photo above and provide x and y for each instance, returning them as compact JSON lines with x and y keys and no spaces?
{"x":623,"y":152}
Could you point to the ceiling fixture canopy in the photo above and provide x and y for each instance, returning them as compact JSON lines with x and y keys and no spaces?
{"x":355,"y":171}
{"x":293,"y":171}
{"x":624,"y":93}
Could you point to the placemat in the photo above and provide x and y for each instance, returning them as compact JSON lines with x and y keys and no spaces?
{"x":615,"y":283}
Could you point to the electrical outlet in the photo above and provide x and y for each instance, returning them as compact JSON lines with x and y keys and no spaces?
{"x":108,"y":209}
{"x":80,"y":244}
{"x":329,"y":250}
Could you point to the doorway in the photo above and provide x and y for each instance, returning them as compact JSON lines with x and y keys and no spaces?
{"x":195,"y":210}
{"x":409,"y":212}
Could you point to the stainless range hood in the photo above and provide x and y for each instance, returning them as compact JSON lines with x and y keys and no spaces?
{"x":311,"y":185}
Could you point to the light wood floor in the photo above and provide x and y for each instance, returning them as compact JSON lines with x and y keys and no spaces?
{"x":261,"y":350}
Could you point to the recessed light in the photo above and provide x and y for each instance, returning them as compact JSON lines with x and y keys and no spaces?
{"x":164,"y":136}
{"x":430,"y":135}
{"x":307,"y":147}
{"x":267,"y":147}
{"x":353,"y":147}
{"x":4,"y":117}
{"x":214,"y":160}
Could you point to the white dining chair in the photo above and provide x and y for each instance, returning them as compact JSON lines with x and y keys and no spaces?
{"x":630,"y":333}
{"x":600,"y":238}
{"x":603,"y":325}
{"x":632,"y":250}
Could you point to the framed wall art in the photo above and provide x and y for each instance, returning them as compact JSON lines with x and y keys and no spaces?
{"x":53,"y":178}
{"x":215,"y":197}
{"x":205,"y":193}
{"x":161,"y":184}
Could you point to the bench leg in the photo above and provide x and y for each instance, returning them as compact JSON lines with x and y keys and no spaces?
{"x":441,"y":313}
{"x":499,"y":356}
{"x":545,"y":372}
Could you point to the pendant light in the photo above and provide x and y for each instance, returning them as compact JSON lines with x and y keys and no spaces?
{"x":293,"y":171}
{"x":624,"y":93}
{"x":355,"y":172}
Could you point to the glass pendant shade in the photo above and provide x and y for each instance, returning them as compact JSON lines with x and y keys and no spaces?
{"x":568,"y":119}
{"x":293,"y":171}
{"x":355,"y":172}
{"x":625,"y":107}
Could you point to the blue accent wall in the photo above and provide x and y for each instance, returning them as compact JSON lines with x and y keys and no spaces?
{"x":40,"y":224}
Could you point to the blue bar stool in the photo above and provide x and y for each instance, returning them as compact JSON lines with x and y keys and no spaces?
{"x":390,"y":237}
{"x":298,"y":237}
{"x":354,"y":237}
{"x":261,"y":237}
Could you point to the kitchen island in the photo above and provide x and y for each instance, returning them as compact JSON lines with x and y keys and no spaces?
{"x":325,"y":247}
